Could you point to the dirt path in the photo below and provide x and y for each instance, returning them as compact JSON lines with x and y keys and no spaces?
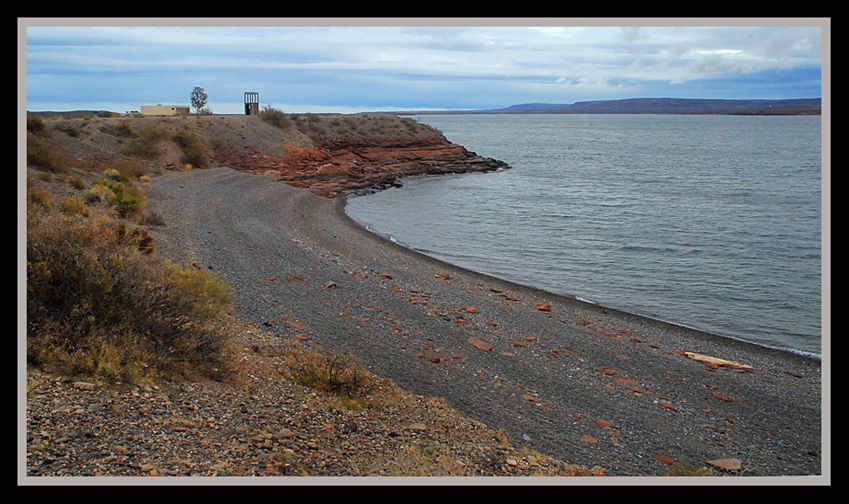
{"x":586,"y":384}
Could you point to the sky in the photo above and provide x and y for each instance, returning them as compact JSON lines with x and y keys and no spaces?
{"x":348,"y":69}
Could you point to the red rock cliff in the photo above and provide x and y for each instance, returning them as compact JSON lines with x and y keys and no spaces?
{"x":337,"y":165}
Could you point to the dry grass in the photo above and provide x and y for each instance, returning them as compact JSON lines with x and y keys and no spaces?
{"x":275,"y":117}
{"x":192,"y":151}
{"x":43,"y":154}
{"x":99,"y":304}
{"x":37,"y":197}
{"x":144,"y":145}
{"x":337,"y":374}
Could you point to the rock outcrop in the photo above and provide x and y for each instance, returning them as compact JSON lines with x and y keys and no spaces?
{"x":338,"y":166}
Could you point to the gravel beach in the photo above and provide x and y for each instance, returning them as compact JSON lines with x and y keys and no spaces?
{"x":583,"y":383}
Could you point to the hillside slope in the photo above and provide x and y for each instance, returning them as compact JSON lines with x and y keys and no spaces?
{"x":326,"y":153}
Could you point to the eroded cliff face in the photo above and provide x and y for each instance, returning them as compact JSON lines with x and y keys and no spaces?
{"x":329,"y":154}
{"x":337,"y":166}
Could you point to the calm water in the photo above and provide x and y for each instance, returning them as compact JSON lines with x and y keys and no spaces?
{"x":707,"y":221}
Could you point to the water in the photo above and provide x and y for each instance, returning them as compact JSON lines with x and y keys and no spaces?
{"x":707,"y":221}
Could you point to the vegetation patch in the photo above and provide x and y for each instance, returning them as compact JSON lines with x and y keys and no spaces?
{"x":120,"y":129}
{"x":125,"y":197}
{"x":44,"y":155}
{"x":38,"y":198}
{"x":275,"y":117}
{"x":337,"y":374}
{"x":36,"y":126}
{"x":69,"y":129}
{"x":99,"y":304}
{"x":74,"y":206}
{"x":192,"y":151}
{"x":144,"y":144}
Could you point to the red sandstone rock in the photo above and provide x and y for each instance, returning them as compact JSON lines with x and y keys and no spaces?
{"x":338,"y":166}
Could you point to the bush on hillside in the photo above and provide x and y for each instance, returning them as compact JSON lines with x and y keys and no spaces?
{"x":36,"y":125}
{"x":275,"y":117}
{"x":144,"y":145}
{"x":69,"y":129}
{"x":192,"y":151}
{"x":99,"y":304}
{"x":121,"y":129}
{"x":38,"y":198}
{"x":44,"y":155}
{"x":125,"y":197}
{"x":337,"y":374}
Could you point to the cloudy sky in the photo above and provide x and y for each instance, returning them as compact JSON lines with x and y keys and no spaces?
{"x":355,"y":68}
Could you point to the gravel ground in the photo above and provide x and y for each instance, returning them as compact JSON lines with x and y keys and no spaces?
{"x":260,"y":425}
{"x":580,"y":382}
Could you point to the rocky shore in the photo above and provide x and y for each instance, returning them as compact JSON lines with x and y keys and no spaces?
{"x":577,"y":381}
{"x":338,"y":166}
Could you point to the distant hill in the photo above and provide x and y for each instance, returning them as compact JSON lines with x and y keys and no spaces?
{"x":73,"y":114}
{"x":804,"y":106}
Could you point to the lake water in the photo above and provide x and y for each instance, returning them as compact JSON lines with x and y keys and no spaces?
{"x":707,"y":221}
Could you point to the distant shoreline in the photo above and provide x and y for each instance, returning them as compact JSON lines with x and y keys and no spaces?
{"x":656,"y":106}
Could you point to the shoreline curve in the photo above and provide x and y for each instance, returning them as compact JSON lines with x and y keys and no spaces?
{"x":341,"y":205}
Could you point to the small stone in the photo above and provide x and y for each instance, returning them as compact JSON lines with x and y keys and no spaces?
{"x":512,"y":462}
{"x":329,"y":285}
{"x":95,"y":407}
{"x":730,"y":464}
{"x":417,"y":427}
{"x":84,"y":386}
{"x":479,"y":343}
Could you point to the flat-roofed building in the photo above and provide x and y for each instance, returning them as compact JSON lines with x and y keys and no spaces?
{"x":165,"y":110}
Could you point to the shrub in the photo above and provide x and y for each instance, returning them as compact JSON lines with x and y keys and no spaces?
{"x":77,"y":184}
{"x":74,"y":206}
{"x":43,"y":155}
{"x":98,"y":194}
{"x":38,"y":197}
{"x":337,"y":374}
{"x":128,"y":199}
{"x":126,"y":169}
{"x":45,"y":177}
{"x":275,"y":117}
{"x":69,"y":129}
{"x":144,"y":145}
{"x":97,"y":304}
{"x":36,"y":125}
{"x":122,"y":129}
{"x":192,"y":151}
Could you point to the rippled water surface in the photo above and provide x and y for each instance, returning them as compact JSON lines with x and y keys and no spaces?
{"x":707,"y":221}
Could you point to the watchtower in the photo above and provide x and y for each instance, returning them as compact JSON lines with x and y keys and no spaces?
{"x":251,"y":103}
